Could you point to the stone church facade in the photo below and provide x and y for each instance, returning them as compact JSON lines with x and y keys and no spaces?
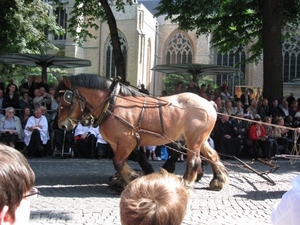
{"x":147,"y":41}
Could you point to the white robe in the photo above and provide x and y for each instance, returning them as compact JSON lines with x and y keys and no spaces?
{"x":287,"y":212}
{"x":31,"y":122}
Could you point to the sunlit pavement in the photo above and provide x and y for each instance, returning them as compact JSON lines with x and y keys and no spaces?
{"x":74,"y":191}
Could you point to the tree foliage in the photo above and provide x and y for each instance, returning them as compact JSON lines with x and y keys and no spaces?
{"x":236,"y":24}
{"x":25,"y":25}
{"x":233,"y":24}
{"x":24,"y":28}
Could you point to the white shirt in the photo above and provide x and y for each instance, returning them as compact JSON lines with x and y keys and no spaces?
{"x":287,"y":212}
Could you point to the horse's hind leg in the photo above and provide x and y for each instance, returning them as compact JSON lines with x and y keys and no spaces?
{"x":220,"y":175}
{"x":193,"y":166}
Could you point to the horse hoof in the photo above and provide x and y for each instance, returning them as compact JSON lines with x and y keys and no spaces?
{"x":215,"y":185}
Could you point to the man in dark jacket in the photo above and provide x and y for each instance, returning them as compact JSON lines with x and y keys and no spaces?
{"x":225,"y":142}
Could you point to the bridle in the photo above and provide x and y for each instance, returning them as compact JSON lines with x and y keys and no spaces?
{"x":108,"y":102}
{"x":68,"y":97}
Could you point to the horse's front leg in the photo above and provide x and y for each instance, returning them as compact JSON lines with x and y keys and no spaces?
{"x":169,"y":165}
{"x":220,"y":174}
{"x":125,"y":174}
{"x":141,"y":158}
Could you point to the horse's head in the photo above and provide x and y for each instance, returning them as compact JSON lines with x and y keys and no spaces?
{"x":72,"y":105}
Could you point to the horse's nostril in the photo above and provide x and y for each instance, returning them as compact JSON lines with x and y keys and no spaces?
{"x":63,"y":127}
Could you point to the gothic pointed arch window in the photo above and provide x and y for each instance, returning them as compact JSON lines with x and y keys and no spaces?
{"x":291,"y":57}
{"x":179,"y":50}
{"x":110,"y":67}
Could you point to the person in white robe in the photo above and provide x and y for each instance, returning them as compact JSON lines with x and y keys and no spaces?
{"x":286,"y":212}
{"x":36,"y":133}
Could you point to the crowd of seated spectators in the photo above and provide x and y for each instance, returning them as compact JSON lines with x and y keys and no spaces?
{"x":29,"y":116}
{"x":249,"y":130}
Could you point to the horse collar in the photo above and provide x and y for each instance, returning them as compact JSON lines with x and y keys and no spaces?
{"x":110,"y":102}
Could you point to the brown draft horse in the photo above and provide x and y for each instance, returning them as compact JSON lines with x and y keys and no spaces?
{"x":128,"y":118}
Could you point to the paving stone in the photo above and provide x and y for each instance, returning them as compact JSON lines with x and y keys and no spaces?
{"x":74,"y":192}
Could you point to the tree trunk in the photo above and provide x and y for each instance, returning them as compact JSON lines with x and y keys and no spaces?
{"x":118,"y":56}
{"x":272,"y":50}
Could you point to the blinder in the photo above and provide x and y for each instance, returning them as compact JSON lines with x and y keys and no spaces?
{"x":68,"y":96}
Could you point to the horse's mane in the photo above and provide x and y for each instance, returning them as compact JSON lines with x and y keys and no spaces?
{"x":97,"y":82}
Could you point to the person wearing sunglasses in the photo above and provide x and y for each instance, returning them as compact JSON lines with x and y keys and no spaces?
{"x":16,"y":187}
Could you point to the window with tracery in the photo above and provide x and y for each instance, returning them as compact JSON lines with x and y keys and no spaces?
{"x":232,"y":58}
{"x":110,"y":68}
{"x":61,"y":20}
{"x":291,"y":57}
{"x":179,"y":50}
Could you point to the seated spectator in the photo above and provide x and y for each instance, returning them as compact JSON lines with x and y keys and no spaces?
{"x":26,"y":101}
{"x":263,"y":109}
{"x":10,"y":128}
{"x":258,"y":138}
{"x":225,"y":95}
{"x":26,"y":113}
{"x":286,"y":212}
{"x":293,"y":109}
{"x":240,"y":130}
{"x":228,"y":107}
{"x":270,"y":133}
{"x":284,"y":106}
{"x":62,"y":140}
{"x":103,"y":148}
{"x":85,"y":141}
{"x":238,"y":108}
{"x":11,"y":98}
{"x":36,"y":134}
{"x":219,"y":106}
{"x":252,"y":110}
{"x":158,"y":198}
{"x":275,"y":110}
{"x":281,"y":135}
{"x":41,"y":98}
{"x":16,"y":185}
{"x":225,"y":142}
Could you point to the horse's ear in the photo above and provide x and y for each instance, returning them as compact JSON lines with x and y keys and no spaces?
{"x":67,"y":82}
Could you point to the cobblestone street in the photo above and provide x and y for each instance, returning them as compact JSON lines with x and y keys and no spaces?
{"x":74,"y":191}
